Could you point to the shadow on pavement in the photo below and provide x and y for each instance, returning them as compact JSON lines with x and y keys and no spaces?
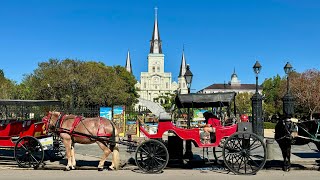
{"x":308,"y":155}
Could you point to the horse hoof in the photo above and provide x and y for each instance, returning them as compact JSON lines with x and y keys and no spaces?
{"x":67,"y":169}
{"x":72,"y":167}
{"x":110,"y":169}
{"x":100,"y":169}
{"x":288,"y":169}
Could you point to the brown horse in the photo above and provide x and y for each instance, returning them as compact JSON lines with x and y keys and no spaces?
{"x":74,"y":129}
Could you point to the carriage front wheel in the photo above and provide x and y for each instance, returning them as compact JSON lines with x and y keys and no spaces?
{"x":244,"y":153}
{"x":28,"y":152}
{"x":151,"y":156}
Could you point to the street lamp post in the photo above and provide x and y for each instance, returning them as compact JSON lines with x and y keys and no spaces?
{"x":288,"y":100}
{"x":188,"y":77}
{"x":257,"y":120}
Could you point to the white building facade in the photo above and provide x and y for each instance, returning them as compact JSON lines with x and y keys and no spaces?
{"x":233,"y":86}
{"x":156,"y":82}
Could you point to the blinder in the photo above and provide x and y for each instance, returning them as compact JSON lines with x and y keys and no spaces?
{"x":291,"y":127}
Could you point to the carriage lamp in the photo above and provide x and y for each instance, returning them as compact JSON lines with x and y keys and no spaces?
{"x":288,"y":100}
{"x":188,"y":77}
{"x":256,"y":99}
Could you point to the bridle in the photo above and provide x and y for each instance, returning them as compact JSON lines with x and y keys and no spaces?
{"x":286,"y":123}
{"x":57,"y":125}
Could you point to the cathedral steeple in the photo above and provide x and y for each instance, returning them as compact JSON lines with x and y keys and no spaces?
{"x":183,"y":65}
{"x":155,"y":42}
{"x":128,"y":63}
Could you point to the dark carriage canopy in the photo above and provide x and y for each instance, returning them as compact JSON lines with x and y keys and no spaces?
{"x":30,"y":102}
{"x":204,"y":100}
{"x":26,"y":109}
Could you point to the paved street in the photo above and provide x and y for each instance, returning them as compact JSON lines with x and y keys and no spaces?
{"x":303,"y":158}
{"x":167,"y":174}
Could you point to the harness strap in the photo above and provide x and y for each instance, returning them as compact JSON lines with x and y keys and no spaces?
{"x":59,"y":123}
{"x":75,"y":123}
{"x":101,"y":128}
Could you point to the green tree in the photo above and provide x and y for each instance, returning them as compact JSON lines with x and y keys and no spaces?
{"x":243,"y":103}
{"x":273,"y":93}
{"x":166,"y":100}
{"x":6,"y":87}
{"x":88,"y":83}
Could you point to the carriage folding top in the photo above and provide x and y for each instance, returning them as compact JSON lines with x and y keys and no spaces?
{"x":204,"y":100}
{"x":29,"y":102}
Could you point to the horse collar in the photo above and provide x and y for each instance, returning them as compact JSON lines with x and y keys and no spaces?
{"x":59,"y":121}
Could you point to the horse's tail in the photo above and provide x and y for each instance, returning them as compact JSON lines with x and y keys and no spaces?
{"x":116,"y":155}
{"x":115,"y":151}
{"x":115,"y":148}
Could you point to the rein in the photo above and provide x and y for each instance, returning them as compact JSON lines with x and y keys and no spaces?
{"x":311,"y":136}
{"x":288,"y":135}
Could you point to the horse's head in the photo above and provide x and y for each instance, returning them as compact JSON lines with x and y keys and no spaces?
{"x":288,"y":127}
{"x":51,"y":119}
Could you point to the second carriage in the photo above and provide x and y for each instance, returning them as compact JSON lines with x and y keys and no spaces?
{"x":243,"y":152}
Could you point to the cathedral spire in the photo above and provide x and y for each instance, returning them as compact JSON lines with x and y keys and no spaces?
{"x":128,"y":63}
{"x":183,"y":65}
{"x":155,"y":42}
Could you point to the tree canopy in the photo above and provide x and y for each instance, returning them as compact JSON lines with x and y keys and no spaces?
{"x":86,"y":83}
{"x":305,"y":87}
{"x":7,"y":87}
{"x":273,"y":93}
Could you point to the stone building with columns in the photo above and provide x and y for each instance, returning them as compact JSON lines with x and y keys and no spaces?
{"x":156,"y":81}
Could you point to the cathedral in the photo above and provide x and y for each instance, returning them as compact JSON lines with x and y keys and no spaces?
{"x":156,"y":82}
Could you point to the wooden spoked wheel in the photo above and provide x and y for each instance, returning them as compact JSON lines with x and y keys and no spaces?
{"x":152,"y":156}
{"x":244,"y":153}
{"x":28,"y":152}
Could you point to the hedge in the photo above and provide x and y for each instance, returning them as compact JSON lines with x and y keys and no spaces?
{"x":269,"y":125}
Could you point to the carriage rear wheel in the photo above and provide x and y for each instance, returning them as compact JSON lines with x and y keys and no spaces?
{"x":244,"y":153}
{"x":152,"y":156}
{"x":28,"y":152}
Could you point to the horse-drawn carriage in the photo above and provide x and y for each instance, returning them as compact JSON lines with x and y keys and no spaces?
{"x":25,"y":135}
{"x":243,"y":151}
{"x":291,"y":131}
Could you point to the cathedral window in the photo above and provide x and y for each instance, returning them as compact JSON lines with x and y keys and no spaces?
{"x":145,"y":85}
{"x":158,"y":69}
{"x":167,"y":85}
{"x":153,"y":69}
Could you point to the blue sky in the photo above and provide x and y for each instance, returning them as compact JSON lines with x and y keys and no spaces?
{"x":218,"y":35}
